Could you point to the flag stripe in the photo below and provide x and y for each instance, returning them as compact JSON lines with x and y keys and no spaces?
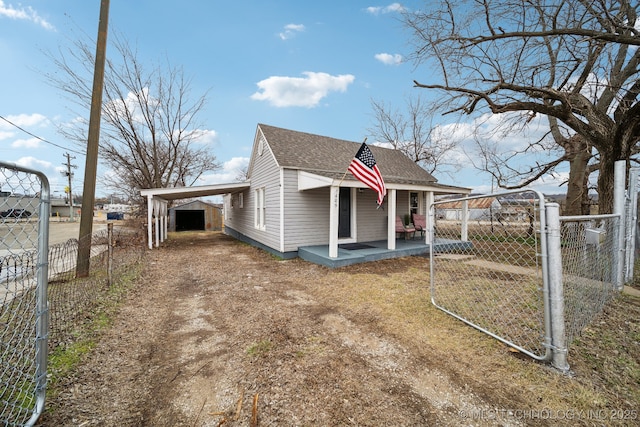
{"x":364,"y":168}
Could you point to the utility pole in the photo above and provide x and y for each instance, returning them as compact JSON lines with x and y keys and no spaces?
{"x":69,"y":175}
{"x":91,"y":165}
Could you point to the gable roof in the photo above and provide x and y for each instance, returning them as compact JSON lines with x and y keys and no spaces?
{"x":330,"y":157}
{"x":194,"y":202}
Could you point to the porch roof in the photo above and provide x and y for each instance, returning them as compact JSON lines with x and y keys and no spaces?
{"x":308,"y":180}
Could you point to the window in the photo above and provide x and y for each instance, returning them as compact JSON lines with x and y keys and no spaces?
{"x":228,"y":203}
{"x":260,"y":209}
{"x":414,"y":203}
{"x":240,"y":200}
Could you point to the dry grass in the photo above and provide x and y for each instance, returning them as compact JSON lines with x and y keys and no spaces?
{"x":605,"y":361}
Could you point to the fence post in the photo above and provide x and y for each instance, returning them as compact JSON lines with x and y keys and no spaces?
{"x":430,"y":218}
{"x":630,"y":221}
{"x":109,"y":253}
{"x":618,"y":209}
{"x":556,"y":292}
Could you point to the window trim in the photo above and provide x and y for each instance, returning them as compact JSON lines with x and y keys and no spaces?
{"x":260,"y":209}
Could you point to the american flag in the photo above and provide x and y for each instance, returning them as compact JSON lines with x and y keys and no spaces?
{"x":364,"y":168}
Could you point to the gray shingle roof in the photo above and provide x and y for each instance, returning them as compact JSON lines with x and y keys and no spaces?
{"x":330,"y":157}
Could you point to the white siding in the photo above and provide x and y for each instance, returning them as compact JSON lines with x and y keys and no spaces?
{"x":306,"y":218}
{"x":371,"y":222}
{"x":306,"y":214}
{"x":402,"y":203}
{"x":265,"y":174}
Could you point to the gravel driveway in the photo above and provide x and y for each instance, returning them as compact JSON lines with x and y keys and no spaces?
{"x":219,"y":333}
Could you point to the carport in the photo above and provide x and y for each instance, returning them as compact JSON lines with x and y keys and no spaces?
{"x":158,"y":200}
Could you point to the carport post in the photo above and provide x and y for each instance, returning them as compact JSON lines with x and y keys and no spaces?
{"x":156,"y":209}
{"x":150,"y":221}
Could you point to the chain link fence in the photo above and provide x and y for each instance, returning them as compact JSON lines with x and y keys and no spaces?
{"x":24,"y":211}
{"x":44,"y":304}
{"x":511,"y":266}
{"x":116,"y":254}
{"x":588,"y":250}
{"x":487,"y":270}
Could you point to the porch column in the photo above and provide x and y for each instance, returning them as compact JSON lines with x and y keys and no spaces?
{"x":430,"y":216}
{"x":333,"y":222}
{"x":391,"y":220}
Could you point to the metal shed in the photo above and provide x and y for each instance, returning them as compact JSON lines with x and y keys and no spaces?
{"x":195,"y":215}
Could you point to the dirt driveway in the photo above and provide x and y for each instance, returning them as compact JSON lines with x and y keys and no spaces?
{"x":218,"y":333}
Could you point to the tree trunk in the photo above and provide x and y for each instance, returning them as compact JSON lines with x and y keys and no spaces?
{"x":605,"y":183}
{"x":586,"y":202}
{"x":577,"y":190}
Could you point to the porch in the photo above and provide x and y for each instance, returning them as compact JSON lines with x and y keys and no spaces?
{"x":355,"y":253}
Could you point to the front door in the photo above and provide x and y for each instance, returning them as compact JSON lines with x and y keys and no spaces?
{"x":344,"y":214}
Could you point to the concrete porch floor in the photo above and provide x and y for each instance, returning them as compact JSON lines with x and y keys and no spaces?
{"x":374,"y":251}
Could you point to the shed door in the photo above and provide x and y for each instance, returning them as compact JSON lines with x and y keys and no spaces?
{"x":344,"y":213}
{"x":189,"y":220}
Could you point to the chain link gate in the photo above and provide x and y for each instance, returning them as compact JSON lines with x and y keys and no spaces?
{"x":24,"y":235}
{"x":589,"y":257}
{"x":487,"y":269}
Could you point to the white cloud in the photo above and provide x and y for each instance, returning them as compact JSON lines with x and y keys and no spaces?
{"x":230,"y":172}
{"x":205,"y":136}
{"x":10,"y":127}
{"x":27,"y":14}
{"x":308,"y":91}
{"x":6,"y":135}
{"x":24,"y":120}
{"x":26,"y":143}
{"x":389,"y":59}
{"x":290,"y":30}
{"x":377,"y":10}
{"x":33,"y":163}
{"x":551,"y":184}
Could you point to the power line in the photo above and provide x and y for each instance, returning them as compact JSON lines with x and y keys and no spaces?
{"x":37,"y":137}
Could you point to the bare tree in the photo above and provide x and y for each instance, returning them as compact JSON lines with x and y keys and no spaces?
{"x":576,"y":61}
{"x":543,"y":156}
{"x":150,"y":129}
{"x":412,"y":132}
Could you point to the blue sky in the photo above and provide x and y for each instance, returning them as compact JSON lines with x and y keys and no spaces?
{"x":307,"y":66}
